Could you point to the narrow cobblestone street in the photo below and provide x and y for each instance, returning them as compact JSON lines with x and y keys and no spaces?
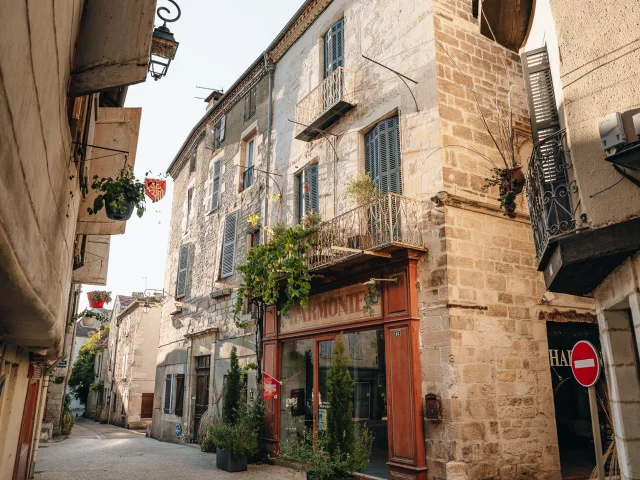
{"x":96,"y":452}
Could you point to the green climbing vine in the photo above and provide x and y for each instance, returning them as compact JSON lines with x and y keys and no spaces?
{"x":276,"y":272}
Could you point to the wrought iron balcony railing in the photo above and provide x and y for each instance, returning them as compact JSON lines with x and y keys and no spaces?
{"x":389,"y":220}
{"x":549,"y":192}
{"x":326,"y":103}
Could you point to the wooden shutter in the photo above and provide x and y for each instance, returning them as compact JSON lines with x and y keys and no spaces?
{"x":300,"y":188}
{"x":390,"y":168}
{"x":179,"y":394}
{"x":543,"y":112}
{"x":146,"y":409}
{"x":167,"y":395}
{"x":183,"y":270}
{"x":334,"y":48}
{"x":215,"y":184}
{"x":113,"y":46}
{"x":223,"y":121}
{"x":313,"y":205}
{"x":372,"y":155}
{"x":229,"y":244}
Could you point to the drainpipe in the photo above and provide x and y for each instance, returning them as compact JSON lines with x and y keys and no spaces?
{"x":270,"y":66}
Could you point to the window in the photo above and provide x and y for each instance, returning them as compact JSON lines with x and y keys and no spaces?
{"x":215,"y":184}
{"x":307,"y":191}
{"x":167,"y":393}
{"x":192,"y":161}
{"x":179,"y":394}
{"x":218,"y":132}
{"x":334,"y":47}
{"x":186,"y":210}
{"x":250,"y":103}
{"x":382,"y":156}
{"x":183,"y":271}
{"x":247,"y":176}
{"x":229,"y":244}
{"x":113,"y":402}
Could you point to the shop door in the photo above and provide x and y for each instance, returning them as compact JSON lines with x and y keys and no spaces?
{"x":571,"y":400}
{"x":202,"y":391}
{"x":24,"y":446}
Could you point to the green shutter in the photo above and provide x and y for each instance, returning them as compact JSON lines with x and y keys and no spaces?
{"x":382,"y":156}
{"x":183,"y":269}
{"x":300,"y":188}
{"x":313,"y":205}
{"x":229,"y":244}
{"x":334,"y":47}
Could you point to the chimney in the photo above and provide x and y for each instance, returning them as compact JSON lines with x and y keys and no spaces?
{"x":213,"y":98}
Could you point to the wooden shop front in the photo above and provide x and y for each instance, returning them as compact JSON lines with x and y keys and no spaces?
{"x":380,"y":323}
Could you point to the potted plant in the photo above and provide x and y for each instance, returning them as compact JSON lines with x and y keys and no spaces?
{"x":119,"y":196}
{"x":510,"y":183}
{"x":362,"y":191}
{"x":233,"y":443}
{"x":97,"y":298}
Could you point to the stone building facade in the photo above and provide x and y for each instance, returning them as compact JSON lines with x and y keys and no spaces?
{"x":468,"y":341}
{"x":132,"y":354}
{"x":64,"y":74}
{"x":592,"y":99}
{"x":219,"y":183}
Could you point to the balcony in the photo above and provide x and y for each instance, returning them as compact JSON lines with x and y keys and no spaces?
{"x":325,"y":104}
{"x":375,"y":229}
{"x":573,"y":257}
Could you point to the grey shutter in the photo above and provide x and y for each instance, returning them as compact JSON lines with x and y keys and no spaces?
{"x":183,"y":269}
{"x":229,"y":244}
{"x":313,"y":205}
{"x":179,"y":394}
{"x":545,"y":120}
{"x":334,"y":48}
{"x":382,"y":156}
{"x":215,"y":184}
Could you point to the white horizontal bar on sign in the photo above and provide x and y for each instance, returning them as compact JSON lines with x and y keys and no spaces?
{"x":588,"y":363}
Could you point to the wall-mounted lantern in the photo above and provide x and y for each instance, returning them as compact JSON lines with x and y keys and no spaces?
{"x":163,"y":45}
{"x":432,"y":407}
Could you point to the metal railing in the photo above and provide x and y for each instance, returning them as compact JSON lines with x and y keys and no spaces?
{"x":549,"y":191}
{"x":337,"y":86}
{"x":389,"y":220}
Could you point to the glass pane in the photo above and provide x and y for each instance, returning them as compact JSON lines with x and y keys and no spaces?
{"x":296,"y":400}
{"x":367,"y":352}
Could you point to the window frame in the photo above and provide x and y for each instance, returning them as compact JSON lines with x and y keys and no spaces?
{"x":218,"y":133}
{"x":302,"y":207}
{"x":248,"y":172}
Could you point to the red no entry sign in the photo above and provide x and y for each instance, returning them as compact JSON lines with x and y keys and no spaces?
{"x":585,"y":364}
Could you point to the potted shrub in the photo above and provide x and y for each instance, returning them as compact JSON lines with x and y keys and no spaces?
{"x":362,"y":191}
{"x":510,"y":183}
{"x":97,"y":298}
{"x":119,"y":196}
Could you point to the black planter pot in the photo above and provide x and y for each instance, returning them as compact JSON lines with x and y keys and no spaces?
{"x":226,"y":462}
{"x":122,"y":217}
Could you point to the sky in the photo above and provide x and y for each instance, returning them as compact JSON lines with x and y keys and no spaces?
{"x":218,"y":40}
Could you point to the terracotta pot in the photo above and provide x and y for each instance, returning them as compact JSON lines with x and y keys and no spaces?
{"x":94,"y":303}
{"x":515,"y":177}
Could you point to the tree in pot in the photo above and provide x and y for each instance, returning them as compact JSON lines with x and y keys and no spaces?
{"x":119,"y":196}
{"x":233,"y":390}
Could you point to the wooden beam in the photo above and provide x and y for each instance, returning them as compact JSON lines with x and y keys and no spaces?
{"x":364,"y":252}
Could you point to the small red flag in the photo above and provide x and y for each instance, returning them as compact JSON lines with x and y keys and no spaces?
{"x":270,"y":386}
{"x":155,"y":188}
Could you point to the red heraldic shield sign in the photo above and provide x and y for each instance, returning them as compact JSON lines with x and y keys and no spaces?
{"x":155,"y":188}
{"x":270,"y":386}
{"x":585,"y":364}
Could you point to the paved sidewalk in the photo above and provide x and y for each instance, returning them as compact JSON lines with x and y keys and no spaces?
{"x":97,"y":452}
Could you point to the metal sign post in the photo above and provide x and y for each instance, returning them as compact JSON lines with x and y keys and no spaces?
{"x":586,"y":370}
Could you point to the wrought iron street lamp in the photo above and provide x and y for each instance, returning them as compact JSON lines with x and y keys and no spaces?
{"x":163,"y":44}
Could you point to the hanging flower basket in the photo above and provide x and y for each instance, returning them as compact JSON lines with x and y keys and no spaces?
{"x":122,"y":214}
{"x":513,"y":180}
{"x":98,"y":298}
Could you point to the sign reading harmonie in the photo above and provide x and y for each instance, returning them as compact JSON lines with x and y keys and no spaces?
{"x":338,"y":306}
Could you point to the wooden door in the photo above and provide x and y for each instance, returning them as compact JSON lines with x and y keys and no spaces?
{"x":146,"y":411}
{"x":24,"y":445}
{"x":202,"y":398}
